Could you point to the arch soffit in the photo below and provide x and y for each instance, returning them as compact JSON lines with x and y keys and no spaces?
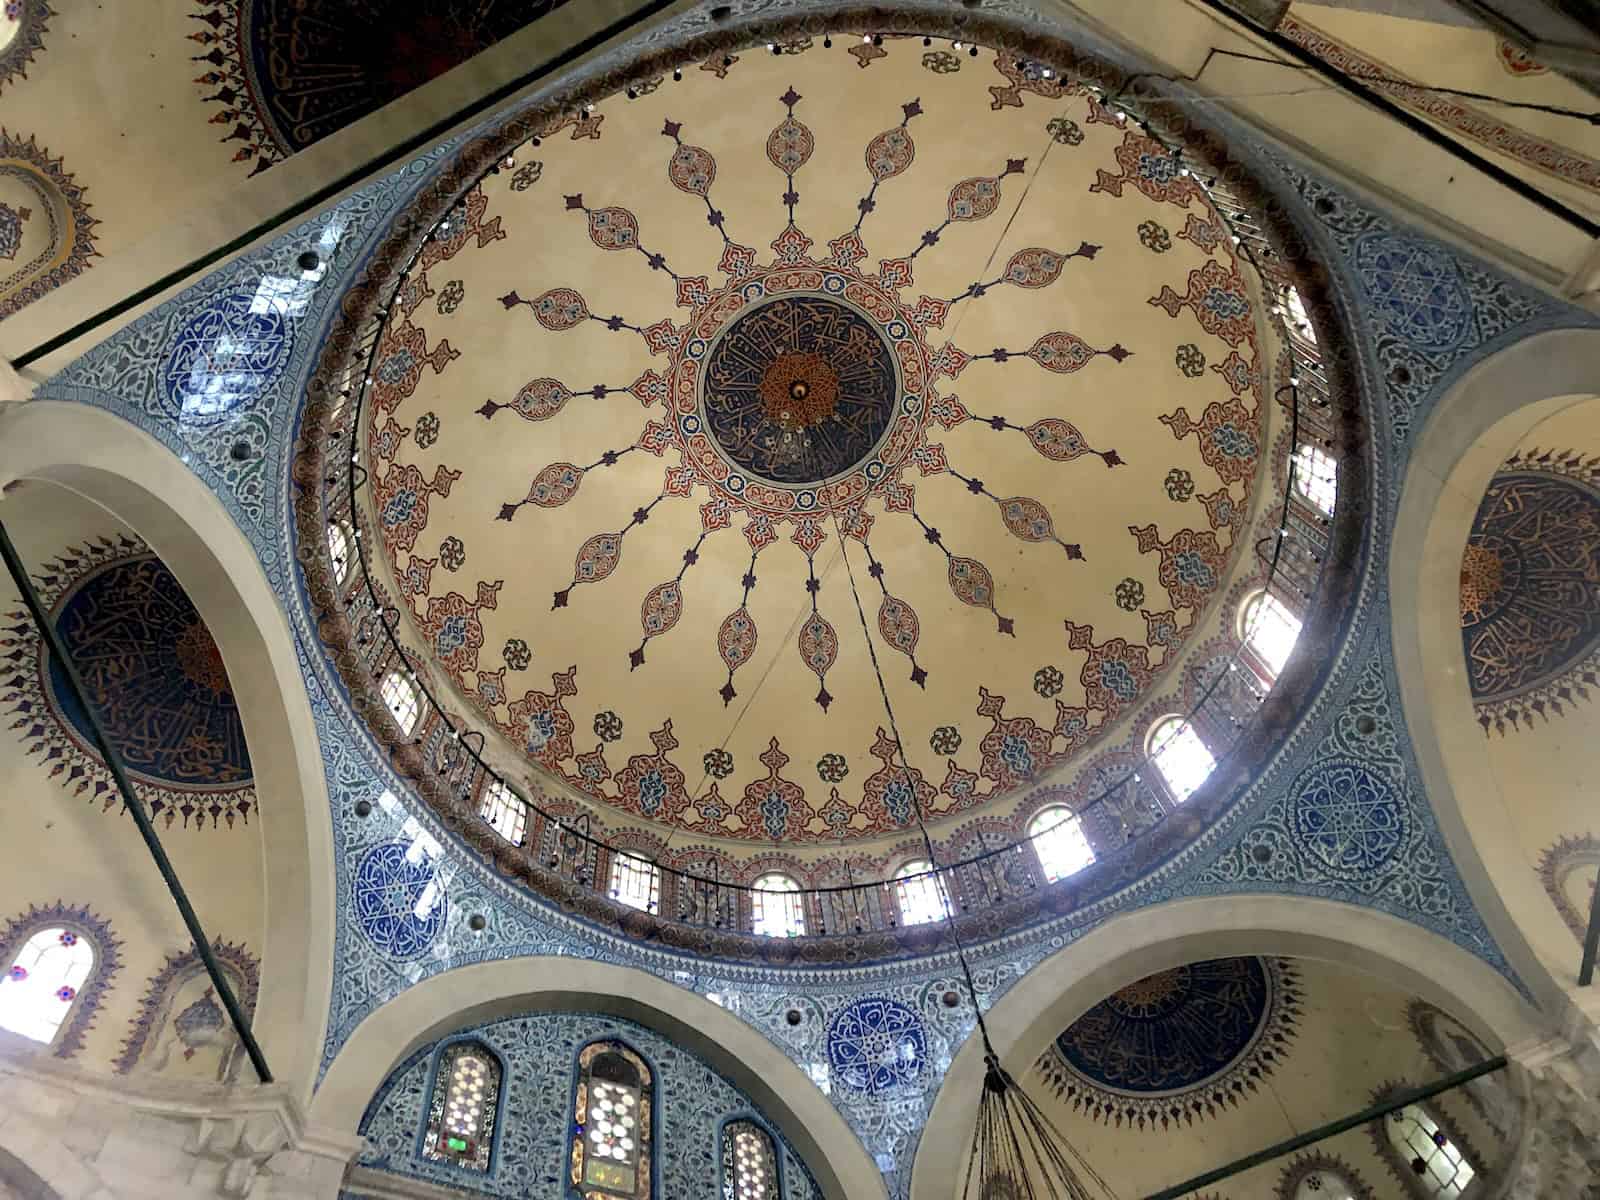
{"x":1470,"y":433}
{"x":108,"y":461}
{"x":473,"y":995}
{"x":1023,"y":1022}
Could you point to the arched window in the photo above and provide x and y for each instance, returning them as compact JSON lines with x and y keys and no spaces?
{"x":1324,"y":1185}
{"x":339,"y":550}
{"x":1059,"y":841}
{"x":465,"y":1105}
{"x":776,"y":907}
{"x":400,"y":694}
{"x":1316,"y":477}
{"x":612,"y":1115}
{"x":635,"y":881}
{"x":749,"y":1163}
{"x":40,"y":987}
{"x":1438,"y":1165}
{"x":1181,"y":757}
{"x":916,"y":890}
{"x":1294,"y":311}
{"x":506,"y":812}
{"x":1270,"y":630}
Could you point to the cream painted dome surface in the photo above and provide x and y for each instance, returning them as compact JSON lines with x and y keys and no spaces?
{"x":704,"y":370}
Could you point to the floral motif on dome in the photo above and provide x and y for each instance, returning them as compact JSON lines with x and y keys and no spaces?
{"x":1530,"y":590}
{"x":156,"y":679}
{"x":1178,"y":1046}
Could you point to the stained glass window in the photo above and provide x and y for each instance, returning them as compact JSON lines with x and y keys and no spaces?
{"x":41,"y":984}
{"x":339,"y":550}
{"x":462,"y":1112}
{"x":1316,"y":477}
{"x":400,"y":694}
{"x":1270,"y":630}
{"x":636,"y":881}
{"x":916,"y":889}
{"x":1059,"y":841}
{"x":1180,"y":756}
{"x":749,"y":1165}
{"x":776,"y":906}
{"x":612,"y":1114}
{"x":1439,"y":1164}
{"x":506,"y":812}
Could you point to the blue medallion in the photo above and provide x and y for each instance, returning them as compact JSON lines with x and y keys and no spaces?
{"x":876,"y":1045}
{"x":1348,"y":817}
{"x":228,"y":352}
{"x":799,"y":389}
{"x":398,"y":899}
{"x":1417,"y":292}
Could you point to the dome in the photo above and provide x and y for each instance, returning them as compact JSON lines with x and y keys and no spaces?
{"x":783,"y":447}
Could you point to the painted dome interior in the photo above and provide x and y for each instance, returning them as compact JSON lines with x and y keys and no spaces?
{"x":732,"y":391}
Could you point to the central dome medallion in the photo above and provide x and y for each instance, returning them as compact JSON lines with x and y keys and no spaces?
{"x":800,"y":388}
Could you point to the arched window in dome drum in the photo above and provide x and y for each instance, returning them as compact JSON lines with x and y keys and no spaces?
{"x":400,"y":694}
{"x":612,"y":1110}
{"x":749,"y":1162}
{"x":463,"y":1112}
{"x":917,"y":892}
{"x":1269,"y":631}
{"x":775,"y":906}
{"x":41,"y":984}
{"x":1180,"y":756}
{"x":504,"y":810}
{"x":340,"y":545}
{"x":1436,"y":1165}
{"x":1059,"y":841}
{"x":1316,"y":477}
{"x":635,"y":881}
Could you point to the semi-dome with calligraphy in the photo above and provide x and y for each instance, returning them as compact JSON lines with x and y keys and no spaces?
{"x":716,"y":401}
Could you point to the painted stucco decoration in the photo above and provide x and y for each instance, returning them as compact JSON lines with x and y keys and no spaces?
{"x":23,"y":24}
{"x":1179,"y":1046}
{"x":1530,"y":590}
{"x":156,"y":678}
{"x":286,"y":75}
{"x":46,"y":233}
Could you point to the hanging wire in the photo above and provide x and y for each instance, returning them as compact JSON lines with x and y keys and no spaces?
{"x":1017,"y":1152}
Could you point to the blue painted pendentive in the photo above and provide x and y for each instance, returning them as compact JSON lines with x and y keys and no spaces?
{"x":1406,"y":299}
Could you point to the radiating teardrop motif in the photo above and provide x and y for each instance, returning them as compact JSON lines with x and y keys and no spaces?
{"x":898,"y":623}
{"x":890,"y":153}
{"x":790,"y":145}
{"x":736,"y":639}
{"x":692,"y":170}
{"x":819,"y":645}
{"x":540,"y":399}
{"x":613,"y":228}
{"x":1061,"y":352}
{"x":1027,"y":519}
{"x":560,"y":308}
{"x":663,"y":605}
{"x":1034,"y":267}
{"x":971,"y":582}
{"x":1057,"y":439}
{"x":974,"y":199}
{"x":555,"y":485}
{"x":597,"y":558}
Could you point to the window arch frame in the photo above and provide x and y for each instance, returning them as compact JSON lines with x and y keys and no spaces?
{"x":67,"y":1039}
{"x":774,"y":1146}
{"x":404,"y":679}
{"x":575,"y":1167}
{"x":1068,"y":818}
{"x":618,"y":894}
{"x":1400,"y":1165}
{"x":345,"y":552}
{"x":1292,"y":1180}
{"x":791,"y":899}
{"x":1152,"y":756}
{"x":1253,"y":657}
{"x":496,"y":791}
{"x":1316,"y":478}
{"x":435,"y":1063}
